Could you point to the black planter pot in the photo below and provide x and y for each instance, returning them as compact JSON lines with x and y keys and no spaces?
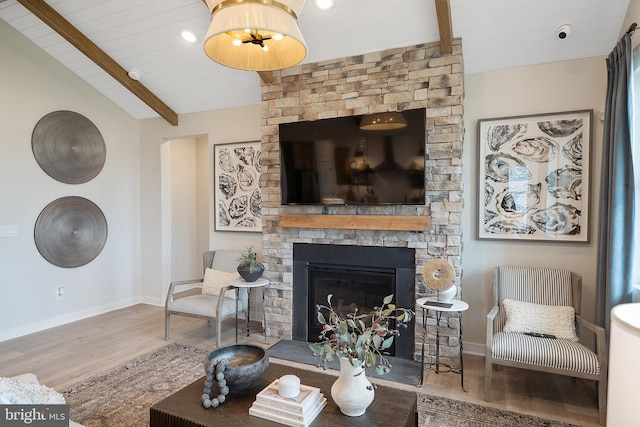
{"x":248,"y":275}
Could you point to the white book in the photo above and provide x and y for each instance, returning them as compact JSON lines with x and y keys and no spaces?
{"x":269,"y":396}
{"x":296,"y":416}
{"x":308,"y":419}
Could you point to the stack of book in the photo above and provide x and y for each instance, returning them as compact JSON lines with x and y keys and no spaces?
{"x":297,"y":411}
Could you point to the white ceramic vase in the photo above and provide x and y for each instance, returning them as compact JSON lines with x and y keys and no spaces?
{"x":352,"y":393}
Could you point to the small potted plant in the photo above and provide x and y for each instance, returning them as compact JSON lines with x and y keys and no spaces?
{"x":248,"y":266}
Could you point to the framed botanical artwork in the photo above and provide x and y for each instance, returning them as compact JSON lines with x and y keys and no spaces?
{"x":238,"y":199}
{"x":534,"y":177}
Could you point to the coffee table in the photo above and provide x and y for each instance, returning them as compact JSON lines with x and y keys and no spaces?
{"x":390,"y":407}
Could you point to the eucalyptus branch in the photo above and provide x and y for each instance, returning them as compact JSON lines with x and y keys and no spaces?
{"x":361,"y":337}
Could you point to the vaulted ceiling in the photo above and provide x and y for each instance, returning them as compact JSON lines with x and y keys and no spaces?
{"x":144,"y":35}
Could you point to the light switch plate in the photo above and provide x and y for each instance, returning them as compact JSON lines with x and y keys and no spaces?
{"x":9,"y":231}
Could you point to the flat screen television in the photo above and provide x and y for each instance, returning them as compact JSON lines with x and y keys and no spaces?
{"x":333,"y":161}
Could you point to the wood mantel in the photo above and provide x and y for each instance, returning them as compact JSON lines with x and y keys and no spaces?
{"x":356,"y":222}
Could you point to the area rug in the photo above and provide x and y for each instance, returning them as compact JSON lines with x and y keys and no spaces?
{"x":122,"y":396}
{"x":436,"y":411}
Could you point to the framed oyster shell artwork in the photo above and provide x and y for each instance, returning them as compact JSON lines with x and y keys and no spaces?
{"x":534,"y":177}
{"x":238,"y":199}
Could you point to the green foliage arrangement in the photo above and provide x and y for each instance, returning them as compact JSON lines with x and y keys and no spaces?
{"x":360,"y":337}
{"x":248,"y":258}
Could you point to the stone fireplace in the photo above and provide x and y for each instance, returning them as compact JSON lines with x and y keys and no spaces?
{"x":393,"y":80}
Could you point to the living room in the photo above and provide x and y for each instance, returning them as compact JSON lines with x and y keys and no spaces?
{"x":137,"y":264}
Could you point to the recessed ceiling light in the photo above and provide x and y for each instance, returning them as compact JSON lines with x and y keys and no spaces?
{"x":324,"y":4}
{"x":189,"y":36}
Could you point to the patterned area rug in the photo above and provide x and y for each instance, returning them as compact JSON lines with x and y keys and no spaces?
{"x":122,"y":396}
{"x":436,"y":411}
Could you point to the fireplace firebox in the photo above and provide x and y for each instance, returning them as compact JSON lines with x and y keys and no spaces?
{"x":356,"y":276}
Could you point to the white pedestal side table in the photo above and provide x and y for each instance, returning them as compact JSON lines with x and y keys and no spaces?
{"x":432,"y":304}
{"x":260,"y":283}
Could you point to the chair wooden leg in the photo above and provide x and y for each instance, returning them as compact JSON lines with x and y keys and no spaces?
{"x":601,"y":386}
{"x":166,"y":326}
{"x":218,"y":331}
{"x":488,"y":367}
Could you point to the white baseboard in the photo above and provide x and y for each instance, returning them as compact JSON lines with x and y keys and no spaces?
{"x":473,"y":348}
{"x":152,"y":301}
{"x":52,"y":322}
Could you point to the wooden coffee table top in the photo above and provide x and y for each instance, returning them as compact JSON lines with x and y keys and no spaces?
{"x":390,"y":407}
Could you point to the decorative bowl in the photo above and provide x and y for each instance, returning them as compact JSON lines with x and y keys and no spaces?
{"x":250,"y":275}
{"x":245,"y":364}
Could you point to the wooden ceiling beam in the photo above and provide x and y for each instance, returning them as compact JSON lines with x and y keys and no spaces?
{"x":63,"y":27}
{"x":443,"y":12}
{"x":266,"y":77}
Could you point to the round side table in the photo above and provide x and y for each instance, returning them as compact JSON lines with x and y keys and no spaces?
{"x":260,"y":283}
{"x":454,"y":306}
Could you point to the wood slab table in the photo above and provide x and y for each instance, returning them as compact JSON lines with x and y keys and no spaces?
{"x":390,"y":407}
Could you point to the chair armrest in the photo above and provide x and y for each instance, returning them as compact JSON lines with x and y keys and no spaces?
{"x":593,"y":328}
{"x":223,"y":291}
{"x":172,"y":289}
{"x":601,"y":342}
{"x":184,"y":282}
{"x":491,"y":316}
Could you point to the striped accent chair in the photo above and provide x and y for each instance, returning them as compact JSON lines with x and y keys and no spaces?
{"x":206,"y":306}
{"x":548,"y":287}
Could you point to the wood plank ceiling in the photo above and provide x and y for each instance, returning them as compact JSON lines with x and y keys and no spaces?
{"x":57,"y":22}
{"x":143,"y":35}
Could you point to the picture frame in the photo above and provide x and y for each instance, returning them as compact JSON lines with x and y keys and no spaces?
{"x":534,"y":176}
{"x":237,"y":193}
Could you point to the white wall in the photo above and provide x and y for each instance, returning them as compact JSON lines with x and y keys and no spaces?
{"x":185,"y":205}
{"x":182,"y":215}
{"x":32,"y":84}
{"x":561,"y":86}
{"x":203,"y":200}
{"x":133,"y":267}
{"x":217,"y":127}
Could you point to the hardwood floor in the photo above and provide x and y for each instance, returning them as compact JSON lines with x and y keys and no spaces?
{"x":67,"y":354}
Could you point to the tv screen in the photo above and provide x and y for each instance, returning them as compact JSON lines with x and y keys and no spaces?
{"x":333,"y":161}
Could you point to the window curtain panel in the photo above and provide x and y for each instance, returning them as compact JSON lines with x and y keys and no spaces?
{"x":617,"y":208}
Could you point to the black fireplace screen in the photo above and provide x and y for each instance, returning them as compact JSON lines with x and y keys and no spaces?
{"x":357,"y":276}
{"x":352,"y":288}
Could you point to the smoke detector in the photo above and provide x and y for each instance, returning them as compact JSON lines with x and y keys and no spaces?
{"x":134,"y":75}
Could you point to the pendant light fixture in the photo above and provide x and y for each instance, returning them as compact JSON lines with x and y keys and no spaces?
{"x":255,"y":35}
{"x":383,"y":121}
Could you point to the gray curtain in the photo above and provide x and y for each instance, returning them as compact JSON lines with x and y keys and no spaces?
{"x":617,"y":210}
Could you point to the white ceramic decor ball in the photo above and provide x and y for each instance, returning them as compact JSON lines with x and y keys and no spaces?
{"x":448,"y":294}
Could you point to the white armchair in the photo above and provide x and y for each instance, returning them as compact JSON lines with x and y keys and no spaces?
{"x":530,"y":301}
{"x":214,"y":305}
